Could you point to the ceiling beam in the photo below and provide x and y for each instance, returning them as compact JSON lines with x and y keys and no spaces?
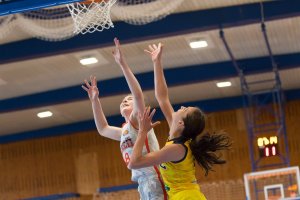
{"x":211,"y":105}
{"x":172,"y":25}
{"x":187,"y":74}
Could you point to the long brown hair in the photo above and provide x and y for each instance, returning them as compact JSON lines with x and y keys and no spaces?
{"x":204,"y":146}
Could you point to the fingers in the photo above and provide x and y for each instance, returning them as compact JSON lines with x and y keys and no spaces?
{"x":87,"y":83}
{"x":160,"y":45}
{"x":94,"y":81}
{"x":146,"y":118}
{"x":152,"y":113}
{"x":83,"y":87}
{"x":146,"y":113}
{"x":151,"y":48}
{"x":147,"y":51}
{"x":140,"y":116}
{"x":155,"y":124}
{"x":154,"y":47}
{"x":117,"y":42}
{"x":148,"y":110}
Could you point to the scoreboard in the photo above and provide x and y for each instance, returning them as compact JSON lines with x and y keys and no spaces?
{"x":267,"y":146}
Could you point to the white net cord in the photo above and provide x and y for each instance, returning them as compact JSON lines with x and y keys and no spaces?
{"x":63,"y":22}
{"x":55,"y":29}
{"x":91,"y":17}
{"x":140,"y":12}
{"x":51,"y":24}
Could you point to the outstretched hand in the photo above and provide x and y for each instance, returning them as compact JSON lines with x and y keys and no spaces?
{"x":155,"y":51}
{"x":117,"y":53}
{"x":91,"y":89}
{"x":145,"y":121}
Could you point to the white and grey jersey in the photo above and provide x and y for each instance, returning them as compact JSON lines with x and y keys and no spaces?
{"x":128,"y":138}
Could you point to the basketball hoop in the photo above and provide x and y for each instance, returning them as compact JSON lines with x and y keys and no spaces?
{"x":91,"y":15}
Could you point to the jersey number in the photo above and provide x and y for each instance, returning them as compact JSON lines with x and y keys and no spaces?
{"x":126,"y":158}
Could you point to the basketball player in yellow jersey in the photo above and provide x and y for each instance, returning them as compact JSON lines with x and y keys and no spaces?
{"x":186,"y":144}
{"x":180,"y":175}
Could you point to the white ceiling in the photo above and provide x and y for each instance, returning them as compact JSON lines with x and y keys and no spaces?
{"x":55,"y":72}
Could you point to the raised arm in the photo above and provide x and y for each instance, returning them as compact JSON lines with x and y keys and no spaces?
{"x":134,"y":86}
{"x":161,"y":88}
{"x":100,"y":120}
{"x":168,"y":153}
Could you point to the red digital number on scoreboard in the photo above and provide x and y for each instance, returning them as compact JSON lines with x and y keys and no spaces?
{"x":268,"y":146}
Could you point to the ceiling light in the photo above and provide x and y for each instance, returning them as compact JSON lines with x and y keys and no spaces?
{"x":224,"y":84}
{"x":92,"y":56}
{"x":88,"y":61}
{"x":44,"y":114}
{"x":198,"y":44}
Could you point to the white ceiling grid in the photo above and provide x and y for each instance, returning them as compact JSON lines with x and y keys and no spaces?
{"x":61,"y":71}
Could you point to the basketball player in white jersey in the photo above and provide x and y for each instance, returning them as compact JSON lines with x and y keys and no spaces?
{"x":149,"y":180}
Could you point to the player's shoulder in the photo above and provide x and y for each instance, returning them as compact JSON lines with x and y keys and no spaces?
{"x":124,"y":124}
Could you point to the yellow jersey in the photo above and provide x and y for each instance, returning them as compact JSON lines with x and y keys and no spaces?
{"x":179,"y":176}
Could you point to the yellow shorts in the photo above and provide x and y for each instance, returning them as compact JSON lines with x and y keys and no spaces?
{"x":188,"y":195}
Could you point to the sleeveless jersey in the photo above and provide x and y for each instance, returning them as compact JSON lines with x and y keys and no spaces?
{"x":128,"y":138}
{"x":179,"y":175}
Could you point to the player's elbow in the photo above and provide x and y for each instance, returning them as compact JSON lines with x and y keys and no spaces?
{"x":103,"y":131}
{"x":132,"y":165}
{"x":129,"y":166}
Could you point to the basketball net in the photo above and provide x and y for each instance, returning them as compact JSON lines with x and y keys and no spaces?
{"x":92,"y":15}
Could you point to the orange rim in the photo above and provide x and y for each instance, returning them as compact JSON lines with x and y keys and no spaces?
{"x":91,"y":1}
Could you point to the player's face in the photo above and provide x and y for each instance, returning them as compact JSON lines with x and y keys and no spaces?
{"x":126,"y":105}
{"x":181,"y":113}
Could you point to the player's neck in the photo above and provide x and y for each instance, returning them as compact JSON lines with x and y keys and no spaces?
{"x":174,"y":133}
{"x":127,"y":117}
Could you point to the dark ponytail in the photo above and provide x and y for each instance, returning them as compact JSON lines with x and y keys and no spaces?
{"x":204,"y":146}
